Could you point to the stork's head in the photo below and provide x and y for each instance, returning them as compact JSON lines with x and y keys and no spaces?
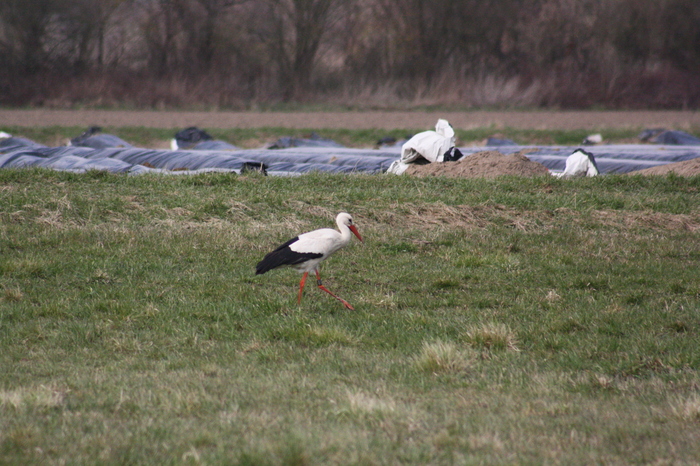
{"x":345,"y":219}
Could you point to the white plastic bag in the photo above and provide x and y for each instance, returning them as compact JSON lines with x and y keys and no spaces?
{"x":579,"y":163}
{"x":429,"y":145}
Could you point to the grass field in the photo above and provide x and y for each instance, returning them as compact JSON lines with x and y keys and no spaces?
{"x":529,"y":321}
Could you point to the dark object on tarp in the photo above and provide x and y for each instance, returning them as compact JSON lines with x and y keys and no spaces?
{"x":647,"y":134}
{"x":386,"y":141}
{"x":188,"y":138}
{"x":254,"y":167}
{"x":92,"y":130}
{"x":669,"y":137}
{"x":452,"y":155}
{"x":676,"y":138}
{"x":315,"y":140}
{"x":391,"y":141}
{"x":193,"y":138}
{"x":95,"y":139}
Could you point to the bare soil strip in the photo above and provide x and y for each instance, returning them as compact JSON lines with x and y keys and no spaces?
{"x":546,"y":120}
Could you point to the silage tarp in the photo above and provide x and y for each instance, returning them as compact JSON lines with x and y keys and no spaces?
{"x":214,"y":145}
{"x":17,"y":143}
{"x":668,"y":137}
{"x":20,"y":152}
{"x":24,"y":159}
{"x":100,"y":141}
{"x":610,"y":158}
{"x":17,"y":152}
{"x":277,"y":161}
{"x":342,"y":158}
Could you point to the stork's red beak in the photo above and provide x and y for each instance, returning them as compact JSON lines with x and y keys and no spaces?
{"x":357,"y":233}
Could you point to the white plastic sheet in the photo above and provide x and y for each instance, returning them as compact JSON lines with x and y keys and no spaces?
{"x":579,"y":164}
{"x":425,"y":147}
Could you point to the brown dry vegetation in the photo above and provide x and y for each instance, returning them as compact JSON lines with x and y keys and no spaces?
{"x":360,"y":53}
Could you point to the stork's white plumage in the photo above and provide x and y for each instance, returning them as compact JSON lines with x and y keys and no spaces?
{"x":306,"y":252}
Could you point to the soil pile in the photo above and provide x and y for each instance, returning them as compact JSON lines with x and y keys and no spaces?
{"x":486,"y":164}
{"x":686,"y":168}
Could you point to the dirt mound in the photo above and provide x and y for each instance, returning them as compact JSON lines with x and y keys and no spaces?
{"x":686,"y":168}
{"x":486,"y":164}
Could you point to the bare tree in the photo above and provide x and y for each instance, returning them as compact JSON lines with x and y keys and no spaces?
{"x":682,"y":34}
{"x":574,"y":52}
{"x":86,"y":27}
{"x":160,"y":30}
{"x":294,"y":32}
{"x":26,"y":24}
{"x":423,"y":34}
{"x":199,"y":22}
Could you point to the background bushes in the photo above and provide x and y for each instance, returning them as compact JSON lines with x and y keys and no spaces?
{"x":360,"y":53}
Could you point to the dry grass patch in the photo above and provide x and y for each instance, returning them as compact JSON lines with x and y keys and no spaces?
{"x":39,"y":397}
{"x":492,"y":336}
{"x":418,"y":215}
{"x":688,"y":408}
{"x":314,"y":210}
{"x":12,"y":294}
{"x":359,"y":404}
{"x":649,"y":220}
{"x":468,"y":217}
{"x":438,"y":357}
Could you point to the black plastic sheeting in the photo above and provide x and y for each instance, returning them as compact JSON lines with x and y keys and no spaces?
{"x":19,"y":153}
{"x":96,"y":140}
{"x":16,"y":152}
{"x":662,"y":136}
{"x":101,"y":141}
{"x":612,"y":158}
{"x":214,"y":145}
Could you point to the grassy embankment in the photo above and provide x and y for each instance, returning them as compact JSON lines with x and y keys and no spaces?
{"x":515,"y":320}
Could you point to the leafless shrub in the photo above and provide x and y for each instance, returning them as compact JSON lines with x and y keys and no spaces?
{"x":364,"y":53}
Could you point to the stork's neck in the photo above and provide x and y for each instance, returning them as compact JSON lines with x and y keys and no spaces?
{"x":345,"y":233}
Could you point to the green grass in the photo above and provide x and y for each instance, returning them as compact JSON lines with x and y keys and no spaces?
{"x":257,"y":137}
{"x":502,"y":321}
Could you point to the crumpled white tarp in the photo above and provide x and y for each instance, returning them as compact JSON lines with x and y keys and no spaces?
{"x":428,"y":146}
{"x":580,"y":163}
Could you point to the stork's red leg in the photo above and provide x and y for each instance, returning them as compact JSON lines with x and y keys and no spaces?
{"x":320,"y":285}
{"x":301,"y":286}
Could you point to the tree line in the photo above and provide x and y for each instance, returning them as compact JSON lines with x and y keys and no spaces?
{"x":243,"y":53}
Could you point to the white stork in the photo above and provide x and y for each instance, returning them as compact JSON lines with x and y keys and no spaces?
{"x":306,"y":252}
